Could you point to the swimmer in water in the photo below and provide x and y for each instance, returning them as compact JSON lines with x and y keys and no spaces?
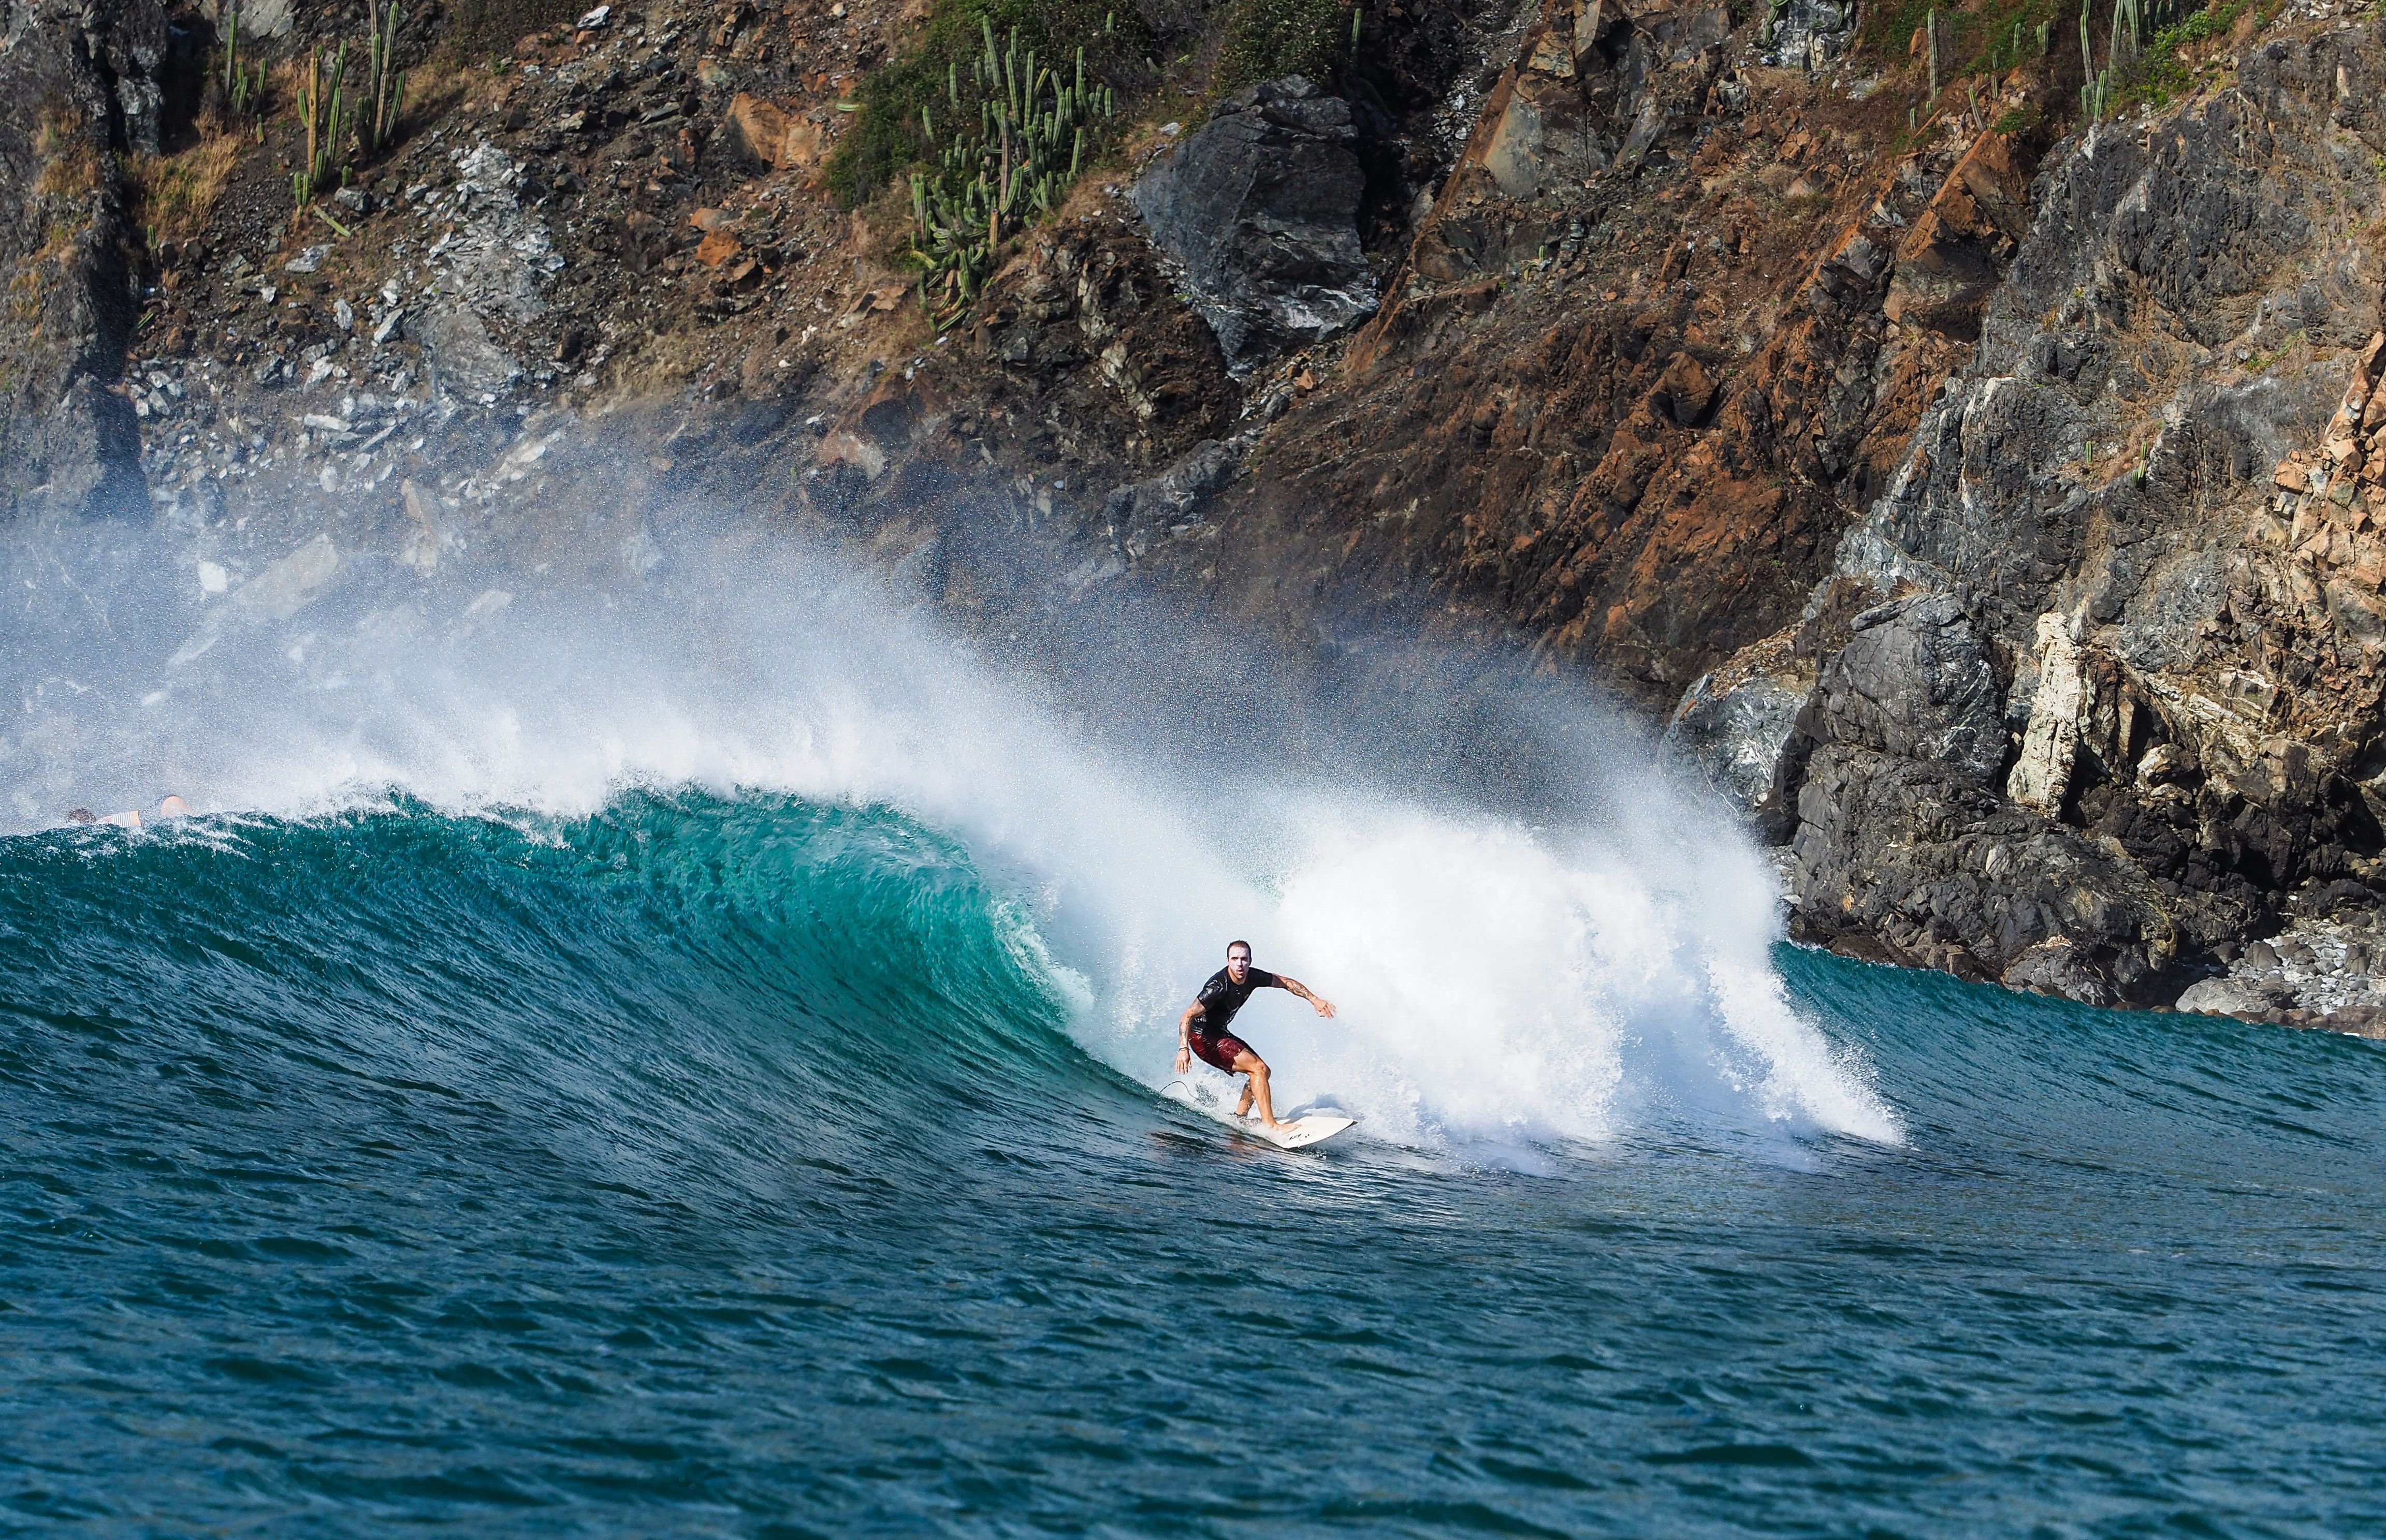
{"x":1202,"y":1029}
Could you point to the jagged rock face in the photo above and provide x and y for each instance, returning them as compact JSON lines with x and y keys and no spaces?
{"x":1808,"y":33}
{"x":1656,"y":341}
{"x":1135,"y":514}
{"x":1260,"y":204}
{"x":1915,"y":862}
{"x":2186,"y":643}
{"x":77,"y":83}
{"x":495,"y":263}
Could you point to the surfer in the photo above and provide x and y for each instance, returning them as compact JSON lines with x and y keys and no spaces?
{"x":1202,"y":1029}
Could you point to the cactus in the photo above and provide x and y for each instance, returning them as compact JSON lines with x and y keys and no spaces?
{"x":385,"y":82}
{"x":1029,"y":147}
{"x":244,"y":89}
{"x":1931,"y":32}
{"x":322,"y":109}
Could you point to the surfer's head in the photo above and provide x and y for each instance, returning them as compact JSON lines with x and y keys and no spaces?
{"x":174,"y":806}
{"x":1239,"y":960}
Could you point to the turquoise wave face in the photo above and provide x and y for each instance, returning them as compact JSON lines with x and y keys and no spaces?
{"x":727,"y":1167}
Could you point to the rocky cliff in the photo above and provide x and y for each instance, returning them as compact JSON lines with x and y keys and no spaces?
{"x":2140,"y":512}
{"x":1979,"y":482}
{"x":81,"y":87}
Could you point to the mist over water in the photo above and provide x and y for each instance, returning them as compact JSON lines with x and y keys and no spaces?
{"x":1532,"y":935}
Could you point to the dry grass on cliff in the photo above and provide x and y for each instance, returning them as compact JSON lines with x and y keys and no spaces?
{"x":65,"y":192}
{"x":70,"y":168}
{"x":173,"y":195}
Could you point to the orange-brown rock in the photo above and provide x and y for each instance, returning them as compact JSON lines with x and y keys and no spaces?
{"x":773,"y":137}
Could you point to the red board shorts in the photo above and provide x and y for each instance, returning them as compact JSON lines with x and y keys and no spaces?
{"x":1218,"y":1049}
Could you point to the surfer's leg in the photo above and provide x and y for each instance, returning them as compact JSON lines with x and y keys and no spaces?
{"x":1251,"y":1064}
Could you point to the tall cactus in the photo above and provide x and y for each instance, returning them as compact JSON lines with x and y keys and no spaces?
{"x":385,"y":82}
{"x":322,"y":109}
{"x":244,"y":89}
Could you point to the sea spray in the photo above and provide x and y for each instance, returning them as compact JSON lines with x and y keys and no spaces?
{"x":1533,"y":937}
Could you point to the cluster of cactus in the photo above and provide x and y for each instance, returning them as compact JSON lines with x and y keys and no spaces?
{"x":1015,"y":162}
{"x":244,"y":89}
{"x":2121,"y":45}
{"x":330,"y":118}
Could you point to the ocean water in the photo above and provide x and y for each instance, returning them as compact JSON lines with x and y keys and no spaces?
{"x":587,"y":1075}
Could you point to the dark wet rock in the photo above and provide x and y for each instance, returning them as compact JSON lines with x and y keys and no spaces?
{"x":2059,"y":965}
{"x":1949,"y":875}
{"x":1735,"y":726}
{"x":1261,"y":204}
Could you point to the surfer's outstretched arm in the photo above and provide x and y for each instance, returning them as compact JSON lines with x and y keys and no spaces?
{"x":1287,"y":981}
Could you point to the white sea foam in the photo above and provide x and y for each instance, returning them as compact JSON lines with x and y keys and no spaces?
{"x":1500,"y":982}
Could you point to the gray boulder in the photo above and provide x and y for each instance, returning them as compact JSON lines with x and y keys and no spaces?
{"x":1735,"y":726}
{"x":1261,"y":204}
{"x":464,"y":362}
{"x":2236,"y":996}
{"x":1913,"y":682}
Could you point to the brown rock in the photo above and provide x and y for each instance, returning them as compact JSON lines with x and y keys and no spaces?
{"x":717,"y":248}
{"x":770,"y":136}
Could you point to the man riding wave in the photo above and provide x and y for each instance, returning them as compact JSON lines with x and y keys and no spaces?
{"x":1202,"y":1029}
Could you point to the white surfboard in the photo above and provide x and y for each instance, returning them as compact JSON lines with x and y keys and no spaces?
{"x":1299,"y":1132}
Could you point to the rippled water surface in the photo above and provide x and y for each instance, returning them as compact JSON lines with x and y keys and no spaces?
{"x":730,"y":1168}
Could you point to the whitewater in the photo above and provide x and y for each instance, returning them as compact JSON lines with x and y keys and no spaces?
{"x":1507,"y":981}
{"x":678,"y":1051}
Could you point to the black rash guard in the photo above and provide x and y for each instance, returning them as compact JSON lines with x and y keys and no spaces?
{"x":1222,"y":998}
